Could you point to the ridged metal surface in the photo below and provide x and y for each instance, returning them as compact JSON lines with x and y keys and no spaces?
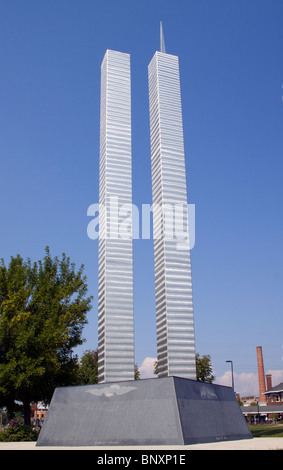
{"x":115,"y":279}
{"x":173,"y":278}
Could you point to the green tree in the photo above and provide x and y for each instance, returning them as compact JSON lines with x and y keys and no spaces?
{"x":43,"y":307}
{"x":88,"y":371}
{"x":137,"y":373}
{"x":155,"y":370}
{"x":204,"y":368}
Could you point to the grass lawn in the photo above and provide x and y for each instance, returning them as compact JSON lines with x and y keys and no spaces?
{"x":266,"y":430}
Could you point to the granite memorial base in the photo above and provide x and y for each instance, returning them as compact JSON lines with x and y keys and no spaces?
{"x":164,"y":411}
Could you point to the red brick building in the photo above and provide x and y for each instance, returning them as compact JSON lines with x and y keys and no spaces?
{"x":271,"y":409}
{"x":274,"y":395}
{"x":269,"y":405}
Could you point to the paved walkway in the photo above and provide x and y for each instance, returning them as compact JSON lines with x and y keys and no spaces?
{"x":263,"y":443}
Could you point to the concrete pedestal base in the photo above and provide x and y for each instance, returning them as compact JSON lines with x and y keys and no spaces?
{"x":165,"y":411}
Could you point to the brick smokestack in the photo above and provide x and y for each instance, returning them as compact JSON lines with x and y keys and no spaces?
{"x":268,"y":382}
{"x":261,"y":377}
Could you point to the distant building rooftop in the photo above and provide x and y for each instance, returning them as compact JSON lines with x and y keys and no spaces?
{"x":278,"y":388}
{"x":262,"y":409}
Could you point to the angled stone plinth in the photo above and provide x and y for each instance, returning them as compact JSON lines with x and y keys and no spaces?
{"x":164,"y":411}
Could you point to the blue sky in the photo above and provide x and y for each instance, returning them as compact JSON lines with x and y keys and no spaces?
{"x":231,"y":65}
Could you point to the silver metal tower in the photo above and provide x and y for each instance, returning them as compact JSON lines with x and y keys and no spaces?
{"x":173,"y":277}
{"x":115,"y":279}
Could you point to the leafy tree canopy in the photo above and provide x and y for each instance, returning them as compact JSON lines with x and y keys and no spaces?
{"x":88,"y":370}
{"x":204,"y":368}
{"x":43,"y":307}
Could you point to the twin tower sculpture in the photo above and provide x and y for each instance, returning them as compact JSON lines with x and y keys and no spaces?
{"x":173,"y":279}
{"x":172,"y":410}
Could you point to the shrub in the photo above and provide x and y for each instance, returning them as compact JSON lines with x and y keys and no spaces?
{"x":19,"y":433}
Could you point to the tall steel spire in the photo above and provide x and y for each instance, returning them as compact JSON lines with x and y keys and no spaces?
{"x":162,"y":42}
